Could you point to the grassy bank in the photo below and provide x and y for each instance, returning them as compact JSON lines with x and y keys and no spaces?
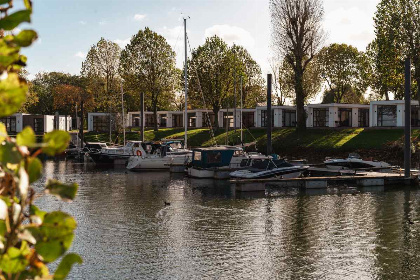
{"x":384,"y":144}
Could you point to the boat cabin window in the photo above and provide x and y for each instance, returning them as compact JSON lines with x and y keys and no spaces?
{"x":136,"y":145}
{"x":238,"y":153}
{"x":245,"y":162}
{"x":147,"y":147}
{"x":176,"y":145}
{"x":197,"y":156}
{"x":214,"y":157}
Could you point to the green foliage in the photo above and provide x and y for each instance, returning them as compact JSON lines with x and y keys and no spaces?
{"x":147,"y":65}
{"x":27,"y":243}
{"x":63,"y":191}
{"x":56,"y":142}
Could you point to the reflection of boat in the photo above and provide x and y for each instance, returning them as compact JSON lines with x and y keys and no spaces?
{"x":355,"y":162}
{"x":158,"y":156}
{"x":255,"y":168}
{"x":215,"y":161}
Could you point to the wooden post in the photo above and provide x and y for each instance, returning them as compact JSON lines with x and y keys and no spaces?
{"x":269,"y":125}
{"x":407,"y":128}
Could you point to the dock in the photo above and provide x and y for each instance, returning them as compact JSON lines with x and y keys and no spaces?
{"x":362,"y":179}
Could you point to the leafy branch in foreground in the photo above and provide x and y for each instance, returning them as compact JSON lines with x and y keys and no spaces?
{"x":29,"y":237}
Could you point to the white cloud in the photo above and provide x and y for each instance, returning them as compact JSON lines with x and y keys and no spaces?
{"x":231,"y":35}
{"x":353,"y":26}
{"x":139,"y":17}
{"x":80,"y":54}
{"x":122,"y":43}
{"x":82,"y":22}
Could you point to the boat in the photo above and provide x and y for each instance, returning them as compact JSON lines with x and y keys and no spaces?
{"x":268,"y":167}
{"x":100,"y":153}
{"x":355,"y":162}
{"x":215,"y":162}
{"x":158,"y":156}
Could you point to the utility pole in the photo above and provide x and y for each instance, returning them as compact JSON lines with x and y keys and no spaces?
{"x":407,"y":129}
{"x":241,"y":120}
{"x":269,"y":125}
{"x":234,"y":98}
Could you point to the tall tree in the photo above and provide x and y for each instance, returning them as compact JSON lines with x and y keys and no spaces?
{"x":297,"y":36}
{"x":148,"y":65}
{"x":210,"y":81}
{"x":213,"y":69}
{"x":397,"y":30}
{"x":100,"y":68}
{"x":342,"y":68}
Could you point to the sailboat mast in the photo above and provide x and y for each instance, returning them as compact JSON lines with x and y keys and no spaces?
{"x":241,"y":114}
{"x":186,"y":84}
{"x":122,"y":106}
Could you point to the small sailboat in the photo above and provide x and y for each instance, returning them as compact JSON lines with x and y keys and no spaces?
{"x":355,"y":162}
{"x":258,"y":168}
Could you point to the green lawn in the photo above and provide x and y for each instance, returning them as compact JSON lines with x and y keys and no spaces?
{"x":283,"y":139}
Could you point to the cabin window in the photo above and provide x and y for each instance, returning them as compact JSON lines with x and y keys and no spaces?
{"x":248,"y":119}
{"x":192,"y":120}
{"x":197,"y":156}
{"x":345,"y":117}
{"x":289,"y":118}
{"x":10,"y":123}
{"x":39,"y":125}
{"x":415,"y":116}
{"x":214,"y":157}
{"x":321,"y":117}
{"x":101,"y":123}
{"x":363,"y":117}
{"x":228,"y":119}
{"x":264,"y":116}
{"x":387,"y":115}
{"x":177,"y":120}
{"x":162,"y":120}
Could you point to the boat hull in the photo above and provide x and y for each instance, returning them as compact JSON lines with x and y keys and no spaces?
{"x":284,"y":173}
{"x":154,"y":163}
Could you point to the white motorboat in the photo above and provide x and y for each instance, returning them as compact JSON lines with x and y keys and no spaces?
{"x":256,"y":168}
{"x":217,"y":162}
{"x":155,"y":156}
{"x":107,"y":155}
{"x":355,"y":162}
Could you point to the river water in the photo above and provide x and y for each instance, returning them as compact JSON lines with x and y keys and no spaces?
{"x":125,"y":231}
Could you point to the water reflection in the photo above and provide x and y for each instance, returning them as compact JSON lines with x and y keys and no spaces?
{"x":208,"y":231}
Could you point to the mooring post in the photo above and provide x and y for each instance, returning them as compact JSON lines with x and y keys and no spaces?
{"x":268,"y":120}
{"x":407,"y":129}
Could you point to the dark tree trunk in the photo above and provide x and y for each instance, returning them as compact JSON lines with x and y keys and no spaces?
{"x":300,"y":98}
{"x":216,"y":117}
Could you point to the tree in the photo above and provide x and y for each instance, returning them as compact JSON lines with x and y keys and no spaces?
{"x":100,"y":68}
{"x":30,"y":238}
{"x":243,"y":65}
{"x":209,"y":76}
{"x":148,"y":66}
{"x":342,"y":69}
{"x":41,"y":89}
{"x":213,"y":69}
{"x":297,"y":36}
{"x":284,"y":78}
{"x":67,"y":96}
{"x":397,"y":30}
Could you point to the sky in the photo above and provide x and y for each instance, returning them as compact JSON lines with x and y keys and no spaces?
{"x":67,"y":29}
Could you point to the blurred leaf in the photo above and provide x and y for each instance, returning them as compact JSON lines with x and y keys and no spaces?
{"x":26,"y":137}
{"x":9,"y":154}
{"x":25,"y":38}
{"x":57,"y":141}
{"x":4,"y":2}
{"x":13,"y":20}
{"x":35,"y":212}
{"x":12,"y":94}
{"x":3,"y":132}
{"x":63,"y":191}
{"x":28,"y":4}
{"x":54,"y":236}
{"x":65,"y":266}
{"x":34,"y":169}
{"x":3,"y":210}
{"x":14,"y":260}
{"x":23,"y":183}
